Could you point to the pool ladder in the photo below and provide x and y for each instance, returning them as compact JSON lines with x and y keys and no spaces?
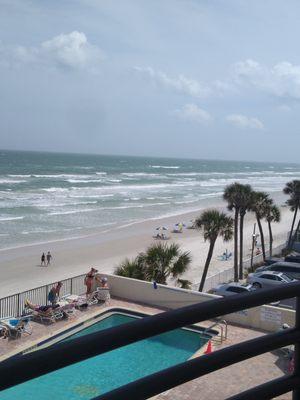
{"x":223,"y":326}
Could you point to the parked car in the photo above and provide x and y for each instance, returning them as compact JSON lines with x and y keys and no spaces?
{"x":228,"y":289}
{"x":290,"y":269}
{"x":268,"y":279}
{"x":294,"y":258}
{"x":272,"y":260}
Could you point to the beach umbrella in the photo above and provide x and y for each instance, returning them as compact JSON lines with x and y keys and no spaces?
{"x":180,"y":224}
{"x":161,"y":228}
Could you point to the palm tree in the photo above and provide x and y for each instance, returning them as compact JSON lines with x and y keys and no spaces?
{"x":293,"y":190}
{"x":272,"y":215}
{"x":163,"y":261}
{"x":213,"y":223}
{"x":184,"y":283}
{"x":260,"y":204}
{"x":245,"y":201}
{"x":132,"y":268}
{"x":233,"y":194}
{"x":158,"y":263}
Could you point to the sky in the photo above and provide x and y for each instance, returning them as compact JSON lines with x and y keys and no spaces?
{"x":212,"y":79}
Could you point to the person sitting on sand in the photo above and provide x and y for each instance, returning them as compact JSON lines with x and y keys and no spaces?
{"x":89,"y":279}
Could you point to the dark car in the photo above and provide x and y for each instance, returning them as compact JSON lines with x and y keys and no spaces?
{"x":272,"y":260}
{"x":290,"y":269}
{"x":292,"y":258}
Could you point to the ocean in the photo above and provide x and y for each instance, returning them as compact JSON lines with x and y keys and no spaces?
{"x":48,"y":196}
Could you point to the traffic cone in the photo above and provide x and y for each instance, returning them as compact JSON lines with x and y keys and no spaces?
{"x":209,"y":348}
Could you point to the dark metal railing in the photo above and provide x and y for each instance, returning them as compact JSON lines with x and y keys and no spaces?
{"x":32,"y":365}
{"x":13,"y":306}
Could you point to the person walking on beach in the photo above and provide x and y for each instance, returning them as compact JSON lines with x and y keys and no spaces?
{"x":49,"y":257}
{"x":43,"y":260}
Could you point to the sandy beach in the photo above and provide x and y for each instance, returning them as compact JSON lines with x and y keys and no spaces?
{"x":20,"y":267}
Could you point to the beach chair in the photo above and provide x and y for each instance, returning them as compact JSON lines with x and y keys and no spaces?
{"x":48,"y":316}
{"x":79,"y":302}
{"x":15,"y":327}
{"x":102,"y":294}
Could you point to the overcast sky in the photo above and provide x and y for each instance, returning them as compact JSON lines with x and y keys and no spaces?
{"x":188,"y":78}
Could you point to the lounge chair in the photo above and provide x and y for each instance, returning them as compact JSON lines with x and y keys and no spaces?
{"x":79,"y":302}
{"x":48,"y":316}
{"x":102,"y":294}
{"x":15,"y":327}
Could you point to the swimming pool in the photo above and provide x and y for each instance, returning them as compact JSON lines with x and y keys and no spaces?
{"x":100,"y":374}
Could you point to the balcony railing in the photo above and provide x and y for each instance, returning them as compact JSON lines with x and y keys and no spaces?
{"x":28,"y":366}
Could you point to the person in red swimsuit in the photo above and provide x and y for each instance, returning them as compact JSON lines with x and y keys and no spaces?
{"x":88,"y":280}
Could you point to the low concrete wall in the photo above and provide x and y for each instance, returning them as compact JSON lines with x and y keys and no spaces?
{"x":267,"y":318}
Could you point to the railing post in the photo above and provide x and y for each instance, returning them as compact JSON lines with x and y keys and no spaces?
{"x":71,"y":286}
{"x":296,"y":392}
{"x":18,"y":305}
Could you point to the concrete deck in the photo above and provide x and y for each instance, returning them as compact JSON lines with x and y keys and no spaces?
{"x":215,"y":386}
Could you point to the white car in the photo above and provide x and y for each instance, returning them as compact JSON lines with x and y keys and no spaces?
{"x":228,"y":289}
{"x":268,"y":279}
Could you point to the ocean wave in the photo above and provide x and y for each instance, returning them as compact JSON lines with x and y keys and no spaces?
{"x":129,"y":206}
{"x":96,"y":196}
{"x":54,"y":189}
{"x":165,"y":166}
{"x":134,"y":174}
{"x":19,"y":176}
{"x":78,"y":203}
{"x":84,"y":180}
{"x":101,"y":173}
{"x":12,"y":181}
{"x":10,"y":218}
{"x":71,"y":212}
{"x":61,"y":176}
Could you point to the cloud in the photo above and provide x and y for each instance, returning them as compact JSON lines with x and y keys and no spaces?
{"x":284,"y":108}
{"x":191,"y":112}
{"x":244,"y":122}
{"x":72,"y":51}
{"x":282,"y":79}
{"x":182,"y":84}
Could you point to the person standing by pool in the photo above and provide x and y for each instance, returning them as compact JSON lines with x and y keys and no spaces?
{"x":43,"y":260}
{"x":53,"y":295}
{"x":89,"y":279}
{"x":49,"y":258}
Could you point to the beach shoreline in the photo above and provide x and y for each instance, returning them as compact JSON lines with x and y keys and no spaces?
{"x":20,"y":267}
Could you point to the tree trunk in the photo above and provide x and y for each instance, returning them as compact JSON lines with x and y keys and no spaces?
{"x":292,"y":227}
{"x":295,"y":236}
{"x":262,"y":238}
{"x":241,"y":269}
{"x":209,"y":256}
{"x":270,"y":238}
{"x":236,"y":238}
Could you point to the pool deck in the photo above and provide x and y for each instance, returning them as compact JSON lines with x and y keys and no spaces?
{"x":215,"y":386}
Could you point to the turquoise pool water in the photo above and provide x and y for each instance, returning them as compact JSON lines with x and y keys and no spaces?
{"x":100,"y":374}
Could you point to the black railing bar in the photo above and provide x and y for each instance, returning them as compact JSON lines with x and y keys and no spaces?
{"x":166,"y":379}
{"x":270,"y":389}
{"x":109,"y":339}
